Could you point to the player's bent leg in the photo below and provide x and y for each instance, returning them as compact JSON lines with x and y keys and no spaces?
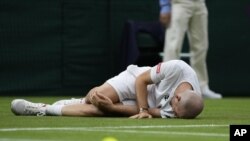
{"x":86,"y":110}
{"x":105,"y":89}
{"x":87,"y":98}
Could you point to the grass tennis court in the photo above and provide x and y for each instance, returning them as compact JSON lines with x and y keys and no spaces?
{"x":211,"y":125}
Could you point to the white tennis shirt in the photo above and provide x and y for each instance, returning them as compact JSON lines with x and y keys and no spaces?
{"x":166,"y":77}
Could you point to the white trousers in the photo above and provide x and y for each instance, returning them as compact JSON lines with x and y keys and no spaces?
{"x":189,"y":16}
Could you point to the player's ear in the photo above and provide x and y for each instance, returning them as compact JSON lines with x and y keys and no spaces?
{"x":178,"y":97}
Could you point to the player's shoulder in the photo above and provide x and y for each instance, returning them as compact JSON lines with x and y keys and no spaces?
{"x":175,"y":63}
{"x":168,"y":66}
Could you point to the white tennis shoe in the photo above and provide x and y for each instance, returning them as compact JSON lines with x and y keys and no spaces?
{"x":24,"y":107}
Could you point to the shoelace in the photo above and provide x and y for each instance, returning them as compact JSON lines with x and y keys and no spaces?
{"x":33,"y":109}
{"x":40,"y":114}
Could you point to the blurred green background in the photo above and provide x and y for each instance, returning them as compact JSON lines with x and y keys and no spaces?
{"x":73,"y":45}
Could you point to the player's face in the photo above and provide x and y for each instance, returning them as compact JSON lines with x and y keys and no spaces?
{"x":175,"y":103}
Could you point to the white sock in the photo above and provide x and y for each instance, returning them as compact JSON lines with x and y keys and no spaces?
{"x":54,"y":110}
{"x":83,"y":101}
{"x":70,"y":101}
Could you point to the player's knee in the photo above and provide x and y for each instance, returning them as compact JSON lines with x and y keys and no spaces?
{"x":87,"y":100}
{"x":92,"y":90}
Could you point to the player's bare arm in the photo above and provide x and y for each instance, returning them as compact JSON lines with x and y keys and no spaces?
{"x":155,"y":112}
{"x":141,"y":94}
{"x":106,"y":106}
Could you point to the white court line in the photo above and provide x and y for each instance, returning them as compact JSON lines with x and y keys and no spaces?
{"x":13,"y":139}
{"x":166,"y":126}
{"x":165,"y":132}
{"x":111,"y":129}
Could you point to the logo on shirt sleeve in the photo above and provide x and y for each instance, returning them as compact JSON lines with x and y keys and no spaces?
{"x":158,"y":69}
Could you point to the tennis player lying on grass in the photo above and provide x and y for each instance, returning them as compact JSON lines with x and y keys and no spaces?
{"x":169,"y":89}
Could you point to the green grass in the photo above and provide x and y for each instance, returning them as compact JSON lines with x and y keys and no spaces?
{"x":211,"y":125}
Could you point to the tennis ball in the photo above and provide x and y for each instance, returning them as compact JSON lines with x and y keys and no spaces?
{"x":109,"y":139}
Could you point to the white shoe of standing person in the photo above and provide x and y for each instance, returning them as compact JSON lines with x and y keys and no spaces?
{"x":207,"y":93}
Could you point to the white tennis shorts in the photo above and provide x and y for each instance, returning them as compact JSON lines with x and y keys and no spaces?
{"x":124,"y":85}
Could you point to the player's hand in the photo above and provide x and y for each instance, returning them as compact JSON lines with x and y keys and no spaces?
{"x":101,"y":101}
{"x":141,"y":115}
{"x":88,"y":98}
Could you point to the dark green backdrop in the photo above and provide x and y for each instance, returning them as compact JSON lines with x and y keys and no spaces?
{"x":60,"y":44}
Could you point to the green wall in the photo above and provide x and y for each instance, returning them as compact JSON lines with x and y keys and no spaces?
{"x":229,"y":36}
{"x":55,"y":44}
{"x":30,"y":44}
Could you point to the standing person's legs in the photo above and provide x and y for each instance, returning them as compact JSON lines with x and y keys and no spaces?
{"x":198,"y":39}
{"x":176,"y":31}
